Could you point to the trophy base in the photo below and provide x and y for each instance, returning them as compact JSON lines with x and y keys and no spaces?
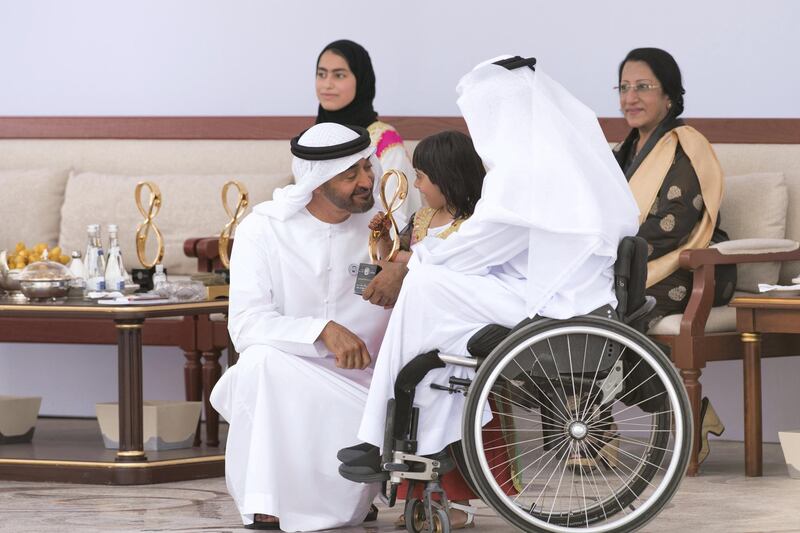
{"x":366,"y":272}
{"x":217,"y":292}
{"x":216,"y":286}
{"x":224,"y":272}
{"x":144,"y":278}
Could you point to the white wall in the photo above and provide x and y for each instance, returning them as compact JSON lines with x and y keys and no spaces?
{"x":247,"y":57}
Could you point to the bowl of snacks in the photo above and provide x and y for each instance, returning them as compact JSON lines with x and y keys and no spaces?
{"x":45,"y":280}
{"x":14,"y":262}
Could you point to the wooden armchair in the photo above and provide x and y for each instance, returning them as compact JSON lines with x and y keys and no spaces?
{"x":707,"y":334}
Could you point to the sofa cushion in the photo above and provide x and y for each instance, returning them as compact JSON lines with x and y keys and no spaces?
{"x":190,"y":207}
{"x":721,"y":319}
{"x":31,"y":206}
{"x":754,"y":206}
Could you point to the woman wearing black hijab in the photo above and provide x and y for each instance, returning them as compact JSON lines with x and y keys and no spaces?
{"x":677,"y":182}
{"x":345,"y":89}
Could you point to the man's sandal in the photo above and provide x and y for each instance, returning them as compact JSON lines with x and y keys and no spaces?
{"x":262,"y":525}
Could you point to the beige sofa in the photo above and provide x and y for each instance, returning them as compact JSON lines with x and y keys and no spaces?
{"x":54,"y":188}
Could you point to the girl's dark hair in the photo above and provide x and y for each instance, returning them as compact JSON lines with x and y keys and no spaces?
{"x":666,"y":70}
{"x":452,"y":164}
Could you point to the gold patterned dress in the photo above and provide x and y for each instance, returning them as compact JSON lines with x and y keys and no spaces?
{"x":676,"y":211}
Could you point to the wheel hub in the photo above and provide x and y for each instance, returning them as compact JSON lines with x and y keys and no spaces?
{"x":578,"y":430}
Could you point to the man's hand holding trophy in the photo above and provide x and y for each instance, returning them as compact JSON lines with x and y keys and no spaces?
{"x":383,"y":246}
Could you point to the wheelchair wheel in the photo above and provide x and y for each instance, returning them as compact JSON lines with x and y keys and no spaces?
{"x":595,"y":432}
{"x":416,"y":521}
{"x":414,"y":515}
{"x":441,"y":522}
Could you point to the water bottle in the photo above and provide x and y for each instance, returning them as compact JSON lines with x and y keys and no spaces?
{"x":95,"y":260}
{"x":78,"y":271}
{"x":115,"y":271}
{"x":159,"y":277}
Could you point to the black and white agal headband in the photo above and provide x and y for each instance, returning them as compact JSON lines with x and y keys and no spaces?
{"x":336,"y":151}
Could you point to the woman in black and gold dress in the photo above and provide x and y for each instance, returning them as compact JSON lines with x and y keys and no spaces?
{"x":678,"y":185}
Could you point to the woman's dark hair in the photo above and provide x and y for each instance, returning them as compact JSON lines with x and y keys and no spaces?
{"x":452,"y":164}
{"x":666,"y":70}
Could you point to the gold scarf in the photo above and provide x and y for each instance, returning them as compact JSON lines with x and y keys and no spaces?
{"x":646,"y":182}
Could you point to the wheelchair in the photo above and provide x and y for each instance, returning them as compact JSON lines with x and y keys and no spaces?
{"x":591,"y":426}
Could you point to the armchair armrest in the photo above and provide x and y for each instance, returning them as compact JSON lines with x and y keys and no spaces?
{"x":206,"y":250}
{"x":703,"y":261}
{"x":741,"y":251}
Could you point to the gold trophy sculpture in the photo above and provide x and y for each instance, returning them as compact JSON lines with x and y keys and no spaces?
{"x":144,"y":277}
{"x":216,"y":283}
{"x":235,"y":215}
{"x":367,"y":271}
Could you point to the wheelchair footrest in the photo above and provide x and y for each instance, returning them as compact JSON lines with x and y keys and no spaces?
{"x":362,"y":474}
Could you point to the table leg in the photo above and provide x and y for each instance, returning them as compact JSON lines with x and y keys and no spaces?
{"x":752,"y":404}
{"x":193,"y":382}
{"x":211,"y":374}
{"x":129,"y":349}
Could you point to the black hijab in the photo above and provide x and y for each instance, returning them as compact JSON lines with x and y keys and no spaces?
{"x":359,"y":112}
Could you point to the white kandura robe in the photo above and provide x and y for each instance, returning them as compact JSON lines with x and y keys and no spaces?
{"x":542,"y":240}
{"x":440,"y":308}
{"x":290,"y":410}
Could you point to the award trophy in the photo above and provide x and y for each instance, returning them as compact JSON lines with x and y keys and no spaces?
{"x":367,"y":271}
{"x":217,"y":284}
{"x":144,"y":276}
{"x":235,"y":215}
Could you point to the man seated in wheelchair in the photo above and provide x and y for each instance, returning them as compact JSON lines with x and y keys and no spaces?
{"x":541,"y":245}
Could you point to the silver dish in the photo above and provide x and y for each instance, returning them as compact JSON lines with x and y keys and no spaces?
{"x":9,"y":280}
{"x":45,"y":289}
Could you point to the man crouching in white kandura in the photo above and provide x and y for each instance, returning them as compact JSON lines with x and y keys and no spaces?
{"x":298,"y":391}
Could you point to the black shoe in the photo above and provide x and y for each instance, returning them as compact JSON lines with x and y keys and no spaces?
{"x":372,"y":515}
{"x":264,"y":525}
{"x":352,"y":453}
{"x":364,"y":469}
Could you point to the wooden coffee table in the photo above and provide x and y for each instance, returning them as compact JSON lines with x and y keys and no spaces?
{"x":80,"y":463}
{"x":757,"y":315}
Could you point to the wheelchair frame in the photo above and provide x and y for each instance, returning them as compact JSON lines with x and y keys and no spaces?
{"x":401,"y":463}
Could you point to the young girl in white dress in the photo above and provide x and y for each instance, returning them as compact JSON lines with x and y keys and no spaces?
{"x":449,"y":177}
